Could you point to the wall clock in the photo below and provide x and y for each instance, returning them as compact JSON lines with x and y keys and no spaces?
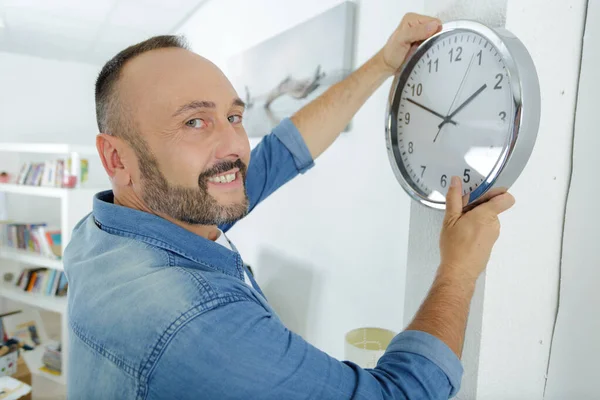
{"x":466,"y":103}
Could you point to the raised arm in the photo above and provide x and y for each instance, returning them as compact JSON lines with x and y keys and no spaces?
{"x":322,"y":120}
{"x":465,"y":244}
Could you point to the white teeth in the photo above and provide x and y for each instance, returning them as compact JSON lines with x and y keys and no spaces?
{"x":223,"y":178}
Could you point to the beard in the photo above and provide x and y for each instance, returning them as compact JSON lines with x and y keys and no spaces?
{"x":190,"y":205}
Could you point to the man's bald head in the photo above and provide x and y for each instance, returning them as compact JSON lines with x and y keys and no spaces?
{"x":109,"y":113}
{"x":170,"y":129}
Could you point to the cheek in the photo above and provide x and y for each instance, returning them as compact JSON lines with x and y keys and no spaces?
{"x":184,"y":168}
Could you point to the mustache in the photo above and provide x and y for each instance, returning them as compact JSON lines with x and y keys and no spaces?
{"x":222,"y":167}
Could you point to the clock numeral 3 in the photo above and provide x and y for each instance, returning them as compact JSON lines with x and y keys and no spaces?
{"x":499,"y":77}
{"x":418,"y":89}
{"x":444,"y":181}
{"x":410,"y":147}
{"x":467,"y":177}
{"x":458,"y":54}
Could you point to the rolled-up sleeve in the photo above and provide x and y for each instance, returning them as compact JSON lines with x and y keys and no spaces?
{"x":278,"y":158}
{"x":241,"y":351}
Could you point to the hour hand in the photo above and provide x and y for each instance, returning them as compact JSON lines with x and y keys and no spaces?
{"x":446,"y":119}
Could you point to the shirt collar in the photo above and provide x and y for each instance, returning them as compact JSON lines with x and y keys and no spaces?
{"x":159,"y":232}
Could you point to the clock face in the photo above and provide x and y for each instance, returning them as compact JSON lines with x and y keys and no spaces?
{"x":455,"y":113}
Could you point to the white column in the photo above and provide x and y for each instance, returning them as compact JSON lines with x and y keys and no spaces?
{"x":514,"y":307}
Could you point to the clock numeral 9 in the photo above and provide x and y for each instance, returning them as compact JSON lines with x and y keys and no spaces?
{"x":407,"y":118}
{"x":419,"y":89}
{"x":458,"y":53}
{"x":499,"y":77}
{"x":410,"y":148}
{"x":444,"y":181}
{"x":502,"y":115}
{"x":436,"y":62}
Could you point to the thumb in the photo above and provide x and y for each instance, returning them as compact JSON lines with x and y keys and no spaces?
{"x":421,"y":32}
{"x":454,"y":203}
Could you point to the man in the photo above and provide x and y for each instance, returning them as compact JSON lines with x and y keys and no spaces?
{"x":161,"y":305}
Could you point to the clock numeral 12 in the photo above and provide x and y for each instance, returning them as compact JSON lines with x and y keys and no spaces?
{"x":458,"y":54}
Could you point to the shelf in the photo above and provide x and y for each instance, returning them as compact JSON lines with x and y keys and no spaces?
{"x":48,"y":148}
{"x":33,"y":359}
{"x":50,"y":303}
{"x":34,"y":190}
{"x":42,"y":191}
{"x":30,"y":258}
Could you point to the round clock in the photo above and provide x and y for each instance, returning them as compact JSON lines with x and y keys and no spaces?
{"x":466,"y":103}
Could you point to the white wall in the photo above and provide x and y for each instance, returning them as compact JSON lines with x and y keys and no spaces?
{"x":46,"y":101}
{"x":330,"y":247}
{"x":515,"y":304}
{"x":574,"y":371}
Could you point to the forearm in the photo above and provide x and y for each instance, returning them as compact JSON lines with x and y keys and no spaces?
{"x":445,"y":310}
{"x":322,"y":120}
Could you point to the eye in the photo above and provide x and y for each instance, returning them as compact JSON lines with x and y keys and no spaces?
{"x":235,"y":119}
{"x":195,"y":123}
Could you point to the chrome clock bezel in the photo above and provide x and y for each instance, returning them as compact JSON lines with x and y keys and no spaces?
{"x":525,"y":92}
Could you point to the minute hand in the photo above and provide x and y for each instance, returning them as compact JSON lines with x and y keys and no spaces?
{"x":431,"y":111}
{"x":470,"y":99}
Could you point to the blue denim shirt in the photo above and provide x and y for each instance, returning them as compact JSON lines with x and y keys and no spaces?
{"x":157,"y":312}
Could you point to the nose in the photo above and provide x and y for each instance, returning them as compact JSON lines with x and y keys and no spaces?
{"x":233,"y":142}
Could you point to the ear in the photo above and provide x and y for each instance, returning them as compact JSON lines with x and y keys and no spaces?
{"x":112,"y":151}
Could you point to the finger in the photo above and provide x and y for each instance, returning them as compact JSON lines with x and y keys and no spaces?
{"x":420,"y":32}
{"x":454,"y":203}
{"x":497,"y":205}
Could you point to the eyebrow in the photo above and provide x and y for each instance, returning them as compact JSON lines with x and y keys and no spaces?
{"x":197,"y":104}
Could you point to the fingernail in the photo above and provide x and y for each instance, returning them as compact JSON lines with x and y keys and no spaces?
{"x":432,"y":26}
{"x":455,"y":182}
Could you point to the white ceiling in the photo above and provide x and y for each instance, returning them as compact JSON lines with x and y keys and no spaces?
{"x":90,"y":31}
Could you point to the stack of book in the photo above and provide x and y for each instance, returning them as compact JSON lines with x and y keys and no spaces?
{"x":37,"y":238}
{"x":52,"y":360}
{"x":49,"y":282}
{"x":52,"y":173}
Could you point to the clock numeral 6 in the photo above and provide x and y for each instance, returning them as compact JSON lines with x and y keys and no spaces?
{"x":444,"y":181}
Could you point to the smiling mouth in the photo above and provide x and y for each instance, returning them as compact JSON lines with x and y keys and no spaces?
{"x":227,"y":177}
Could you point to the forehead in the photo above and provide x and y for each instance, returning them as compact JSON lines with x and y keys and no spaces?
{"x":160,"y":81}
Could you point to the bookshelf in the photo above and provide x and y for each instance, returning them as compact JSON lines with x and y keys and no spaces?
{"x":69,"y":206}
{"x":27,"y":257}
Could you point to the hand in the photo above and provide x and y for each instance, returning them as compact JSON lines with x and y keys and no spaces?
{"x":467,"y":238}
{"x":467,"y":101}
{"x":437,"y":114}
{"x":413,"y":29}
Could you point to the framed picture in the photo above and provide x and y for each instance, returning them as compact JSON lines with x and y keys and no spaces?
{"x":280,"y":75}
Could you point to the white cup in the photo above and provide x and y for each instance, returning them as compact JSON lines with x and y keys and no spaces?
{"x":364,"y":346}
